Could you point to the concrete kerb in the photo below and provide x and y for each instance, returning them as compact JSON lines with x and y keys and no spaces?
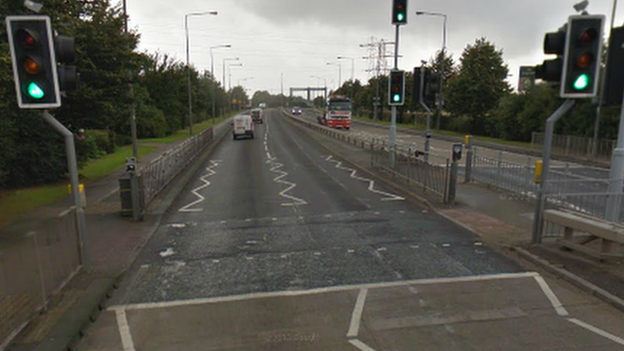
{"x":63,"y":336}
{"x":524,"y":254}
{"x":570,"y":278}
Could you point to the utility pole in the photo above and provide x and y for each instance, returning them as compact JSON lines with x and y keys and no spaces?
{"x":133,"y":129}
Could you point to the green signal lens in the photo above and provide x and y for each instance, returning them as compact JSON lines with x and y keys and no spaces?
{"x":581,"y":82}
{"x":400,"y":17}
{"x":35,"y":91}
{"x":396,"y":97}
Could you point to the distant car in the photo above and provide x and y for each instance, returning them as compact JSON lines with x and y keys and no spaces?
{"x":296,"y":110}
{"x":243,"y":126}
{"x":257,"y":115}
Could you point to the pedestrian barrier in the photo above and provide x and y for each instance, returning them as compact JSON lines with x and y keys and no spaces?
{"x":33,"y":267}
{"x":156,"y":175}
{"x":578,"y":147}
{"x":409,"y":165}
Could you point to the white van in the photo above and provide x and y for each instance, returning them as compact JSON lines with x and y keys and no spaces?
{"x":243,"y":126}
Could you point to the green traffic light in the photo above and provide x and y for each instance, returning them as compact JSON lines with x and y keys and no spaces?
{"x":396,"y":98}
{"x":581,"y":82}
{"x":400,"y":17}
{"x":35,"y":91}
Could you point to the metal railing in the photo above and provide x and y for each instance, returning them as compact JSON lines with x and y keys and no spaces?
{"x":514,"y":177}
{"x":414,"y":171}
{"x":34,"y":265}
{"x":573,"y":146}
{"x":157,"y":174}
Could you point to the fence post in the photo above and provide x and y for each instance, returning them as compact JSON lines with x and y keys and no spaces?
{"x":44,"y":303}
{"x":453,"y":181}
{"x":407,"y":171}
{"x":468,"y":175}
{"x":532,"y":139}
{"x":446,"y":181}
{"x":529,"y":173}
{"x":567,"y":147}
{"x":499,"y":164}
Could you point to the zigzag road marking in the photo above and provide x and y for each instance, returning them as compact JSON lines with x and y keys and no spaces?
{"x":371,"y":183}
{"x":204,"y":179}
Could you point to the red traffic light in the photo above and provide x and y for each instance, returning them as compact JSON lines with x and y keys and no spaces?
{"x":588,"y":36}
{"x":27,"y":39}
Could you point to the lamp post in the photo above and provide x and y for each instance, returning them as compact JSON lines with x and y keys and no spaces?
{"x":188,"y":64}
{"x":224,"y":61}
{"x":230,"y":77}
{"x":214,"y":87}
{"x":339,"y":72}
{"x":442,"y":68}
{"x":352,"y":65}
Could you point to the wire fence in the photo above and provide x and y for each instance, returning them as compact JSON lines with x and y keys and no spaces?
{"x":157,"y":174}
{"x":573,"y":146}
{"x":412,"y":170}
{"x":34,"y":265}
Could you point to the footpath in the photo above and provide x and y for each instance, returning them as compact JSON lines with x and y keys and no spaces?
{"x":504,"y":221}
{"x":113,"y":244}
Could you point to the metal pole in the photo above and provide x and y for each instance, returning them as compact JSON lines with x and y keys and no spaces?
{"x":616,"y":183}
{"x":468,"y":170}
{"x":442,"y":76}
{"x":133,"y":129}
{"x":394,"y":109}
{"x":603,"y":85}
{"x":188,"y":77}
{"x":214,"y":88}
{"x":72,"y":166}
{"x":548,"y":136}
{"x":422,"y":103}
{"x":339,"y":75}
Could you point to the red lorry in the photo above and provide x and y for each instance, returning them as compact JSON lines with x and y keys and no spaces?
{"x":337,"y":112}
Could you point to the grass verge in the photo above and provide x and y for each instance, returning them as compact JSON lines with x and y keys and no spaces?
{"x":184,"y":133}
{"x":96,"y":169}
{"x":519,"y":144}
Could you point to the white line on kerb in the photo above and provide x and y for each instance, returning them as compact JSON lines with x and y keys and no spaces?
{"x":551,"y":296}
{"x":195,"y":191}
{"x":291,"y":293}
{"x":360,"y":345}
{"x":598,"y":331}
{"x":124,"y":330}
{"x":371,"y":183}
{"x":354,"y":327}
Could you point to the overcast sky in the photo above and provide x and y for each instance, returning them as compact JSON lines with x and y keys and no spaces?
{"x":298,"y":37}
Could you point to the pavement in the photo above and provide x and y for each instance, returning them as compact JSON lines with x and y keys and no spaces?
{"x":113,"y":242}
{"x":287,"y":242}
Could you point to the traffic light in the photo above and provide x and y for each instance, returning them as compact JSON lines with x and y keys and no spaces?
{"x":614,"y":86}
{"x":581,"y":64}
{"x":554,"y":44}
{"x":66,"y":55}
{"x":396,"y":93}
{"x":432,"y":85}
{"x":416,"y":93}
{"x":34,"y":62}
{"x":399,"y":12}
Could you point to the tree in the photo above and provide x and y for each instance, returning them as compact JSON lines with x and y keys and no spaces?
{"x":443,"y":63}
{"x":479,"y":84}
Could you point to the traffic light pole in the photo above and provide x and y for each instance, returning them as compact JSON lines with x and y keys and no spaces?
{"x":394,"y":109}
{"x":616,"y":182}
{"x":422,"y":103}
{"x":72,"y":165}
{"x":548,"y":137}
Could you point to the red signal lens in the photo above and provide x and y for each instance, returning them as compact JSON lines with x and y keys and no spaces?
{"x":584,"y":60}
{"x":27,"y":39}
{"x":588,"y":36}
{"x":32,"y":66}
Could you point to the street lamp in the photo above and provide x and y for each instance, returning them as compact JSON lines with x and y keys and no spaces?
{"x":339,"y":72}
{"x":214,"y":87}
{"x":224,"y":61}
{"x":442,"y":68}
{"x":188,"y":64}
{"x":325,"y":80}
{"x":352,"y":65}
{"x":230,"y":73}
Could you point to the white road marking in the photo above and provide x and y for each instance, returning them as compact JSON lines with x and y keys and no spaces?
{"x":356,"y":316}
{"x":478,"y":244}
{"x":360,"y":345}
{"x":124,"y":330}
{"x":551,"y":296}
{"x":446,"y":245}
{"x":598,"y":331}
{"x":178,"y":225}
{"x":166,"y":253}
{"x":371,"y":183}
{"x":195,"y":191}
{"x":291,"y":293}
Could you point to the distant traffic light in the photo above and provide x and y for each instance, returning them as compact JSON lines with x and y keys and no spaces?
{"x":66,"y":55}
{"x":554,"y":44}
{"x":396,"y":91}
{"x":614,"y":87}
{"x":34,"y":62}
{"x":581,"y":64}
{"x":432,"y":85}
{"x":399,"y":11}
{"x":416,"y":93}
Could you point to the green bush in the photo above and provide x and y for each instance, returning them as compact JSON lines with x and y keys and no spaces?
{"x":151,"y":123}
{"x":102,"y":139}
